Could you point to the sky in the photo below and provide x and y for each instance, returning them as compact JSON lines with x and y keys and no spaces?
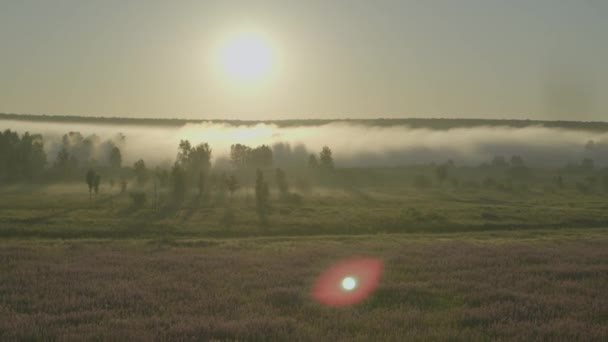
{"x":517,"y":59}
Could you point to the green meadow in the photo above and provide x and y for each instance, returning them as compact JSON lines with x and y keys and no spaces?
{"x":459,"y":264}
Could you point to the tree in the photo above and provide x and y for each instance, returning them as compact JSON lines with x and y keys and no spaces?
{"x":141,"y":173}
{"x":313,"y":162}
{"x":499,"y":161}
{"x":115,"y":158}
{"x":326,"y":160}
{"x":30,"y":156}
{"x":73,"y":164}
{"x":239,"y":155}
{"x":183,"y":153}
{"x":261,"y":196}
{"x":21,"y":158}
{"x":96,"y":183}
{"x":62,"y":162}
{"x":201,"y":184}
{"x":232,"y":184}
{"x":281,"y":179}
{"x":261,"y":156}
{"x":199,"y":158}
{"x":162,"y":177}
{"x":178,"y":180}
{"x":37,"y":157}
{"x":193,"y":160}
{"x":90,"y":178}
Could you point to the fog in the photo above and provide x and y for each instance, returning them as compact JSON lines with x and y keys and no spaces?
{"x":353,"y":145}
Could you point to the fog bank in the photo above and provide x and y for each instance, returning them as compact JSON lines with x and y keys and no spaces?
{"x":353,"y":145}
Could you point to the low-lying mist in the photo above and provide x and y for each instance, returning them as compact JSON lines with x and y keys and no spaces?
{"x":353,"y":145}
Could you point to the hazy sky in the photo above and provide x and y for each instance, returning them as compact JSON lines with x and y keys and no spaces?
{"x":541,"y":59}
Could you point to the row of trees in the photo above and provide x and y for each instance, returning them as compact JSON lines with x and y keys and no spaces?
{"x":192,"y":169}
{"x":22,"y":158}
{"x":77,"y":152}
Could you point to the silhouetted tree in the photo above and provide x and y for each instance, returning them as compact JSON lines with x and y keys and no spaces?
{"x":115,"y":158}
{"x":141,"y":173}
{"x":96,"y":183}
{"x":183,"y":153}
{"x":199,"y":158}
{"x":90,"y":178}
{"x":499,"y":161}
{"x":123,"y":186}
{"x":261,"y":156}
{"x":232,"y":185}
{"x":178,"y":178}
{"x":281,"y":180}
{"x":193,"y":160}
{"x":313,"y":162}
{"x":7,"y":142}
{"x":242,"y":156}
{"x":162,"y":176}
{"x":28,"y":157}
{"x":326,"y":160}
{"x":261,"y":196}
{"x":239,"y":155}
{"x":73,"y":164}
{"x":62,"y":161}
{"x":201,"y":184}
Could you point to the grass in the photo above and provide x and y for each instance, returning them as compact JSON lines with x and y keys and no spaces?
{"x":458,"y":265}
{"x":69,"y":214}
{"x":459,"y":287}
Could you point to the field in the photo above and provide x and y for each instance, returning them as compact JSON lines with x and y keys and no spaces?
{"x":458,"y":265}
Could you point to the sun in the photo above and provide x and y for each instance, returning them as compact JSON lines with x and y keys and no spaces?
{"x":246,"y":58}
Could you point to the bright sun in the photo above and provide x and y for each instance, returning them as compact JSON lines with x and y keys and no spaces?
{"x":246,"y":58}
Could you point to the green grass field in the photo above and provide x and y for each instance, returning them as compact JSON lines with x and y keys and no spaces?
{"x":458,"y":265}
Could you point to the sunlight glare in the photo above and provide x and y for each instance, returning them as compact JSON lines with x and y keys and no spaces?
{"x":349,"y":283}
{"x":247,"y":57}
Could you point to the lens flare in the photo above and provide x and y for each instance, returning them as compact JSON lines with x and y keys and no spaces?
{"x":347,"y":282}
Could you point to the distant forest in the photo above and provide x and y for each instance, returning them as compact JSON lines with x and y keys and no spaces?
{"x":437,"y":123}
